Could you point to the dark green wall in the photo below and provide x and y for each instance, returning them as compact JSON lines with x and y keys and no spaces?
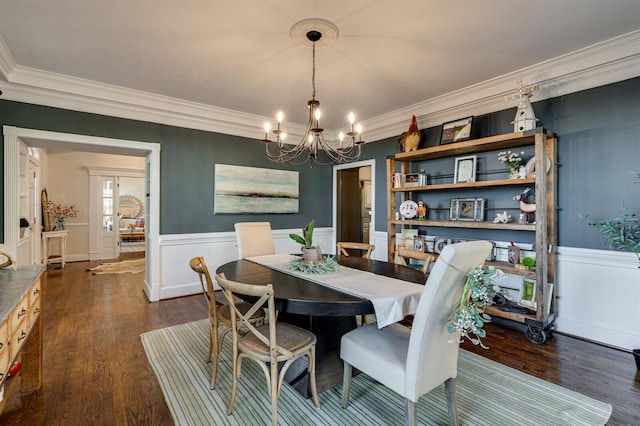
{"x":598,"y":145}
{"x":187,"y":161}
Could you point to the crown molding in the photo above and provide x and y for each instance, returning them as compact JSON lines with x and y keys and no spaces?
{"x":593,"y":66}
{"x":603,"y":63}
{"x":7,"y":62}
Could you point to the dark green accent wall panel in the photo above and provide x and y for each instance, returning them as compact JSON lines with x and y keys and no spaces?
{"x":187,"y":160}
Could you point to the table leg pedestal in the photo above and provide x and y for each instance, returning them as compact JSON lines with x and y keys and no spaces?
{"x":328,"y":331}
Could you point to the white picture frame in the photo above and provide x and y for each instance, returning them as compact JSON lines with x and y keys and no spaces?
{"x":527,"y":296}
{"x":465,"y":169}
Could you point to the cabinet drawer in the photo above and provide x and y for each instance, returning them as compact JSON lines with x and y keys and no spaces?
{"x":4,"y":363}
{"x":34,"y":295}
{"x":34,"y":311}
{"x":4,"y":334}
{"x":18,"y":339}
{"x":18,"y":314}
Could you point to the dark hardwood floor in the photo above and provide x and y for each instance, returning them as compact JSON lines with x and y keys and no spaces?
{"x":96,"y":371}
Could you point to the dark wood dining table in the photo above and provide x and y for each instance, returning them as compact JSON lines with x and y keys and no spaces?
{"x":327,"y":312}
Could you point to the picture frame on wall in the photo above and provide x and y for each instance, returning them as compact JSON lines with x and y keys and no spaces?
{"x":469,"y":209}
{"x":456,"y":131}
{"x":465,"y":169}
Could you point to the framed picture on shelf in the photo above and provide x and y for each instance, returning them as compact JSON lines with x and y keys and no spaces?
{"x":527,"y":296}
{"x":411,"y":179}
{"x":470,"y":209}
{"x":465,"y":169}
{"x":456,"y":131}
{"x":418,"y":243}
{"x":407,"y":236}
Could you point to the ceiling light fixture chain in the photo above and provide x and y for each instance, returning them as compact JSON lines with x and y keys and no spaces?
{"x":313,"y":148}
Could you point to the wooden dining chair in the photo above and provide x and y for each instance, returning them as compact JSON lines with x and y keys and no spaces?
{"x":365,"y":248}
{"x":269,"y":344}
{"x":219,"y":315}
{"x":254,"y":239}
{"x":403,"y":257}
{"x":412,"y":362}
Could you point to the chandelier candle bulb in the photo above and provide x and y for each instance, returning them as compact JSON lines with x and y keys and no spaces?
{"x":267,"y":127}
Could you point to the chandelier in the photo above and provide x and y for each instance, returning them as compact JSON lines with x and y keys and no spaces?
{"x":313,"y":148}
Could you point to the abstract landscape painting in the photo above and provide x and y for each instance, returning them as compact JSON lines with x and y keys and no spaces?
{"x":240,"y":189}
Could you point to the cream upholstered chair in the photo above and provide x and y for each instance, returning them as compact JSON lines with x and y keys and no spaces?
{"x":365,"y":248}
{"x":269,"y":344}
{"x":254,"y":239}
{"x":402,"y":257}
{"x":219,"y":315}
{"x":414,"y":361}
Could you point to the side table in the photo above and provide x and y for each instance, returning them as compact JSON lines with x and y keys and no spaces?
{"x":62,"y":257}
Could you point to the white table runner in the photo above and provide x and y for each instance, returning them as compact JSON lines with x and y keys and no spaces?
{"x":392,"y":299}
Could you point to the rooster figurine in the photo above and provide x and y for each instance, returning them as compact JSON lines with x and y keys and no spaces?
{"x":410,"y":139}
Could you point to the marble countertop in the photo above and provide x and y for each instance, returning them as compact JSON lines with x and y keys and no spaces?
{"x":15,"y":284}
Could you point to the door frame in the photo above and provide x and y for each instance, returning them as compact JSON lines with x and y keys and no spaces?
{"x":75,"y":142}
{"x":355,"y":165}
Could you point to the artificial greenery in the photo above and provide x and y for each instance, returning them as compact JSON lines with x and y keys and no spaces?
{"x":328,"y":265}
{"x":469,"y":317}
{"x":621,"y":233}
{"x":306,"y":239}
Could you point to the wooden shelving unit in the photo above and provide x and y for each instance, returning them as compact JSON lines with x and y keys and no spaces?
{"x":540,"y":323}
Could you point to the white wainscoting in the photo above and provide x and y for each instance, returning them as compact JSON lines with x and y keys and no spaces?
{"x":598,"y":294}
{"x":177,"y":278}
{"x":598,"y":290}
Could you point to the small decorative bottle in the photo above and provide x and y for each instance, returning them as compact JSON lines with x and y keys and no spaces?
{"x":422,"y":178}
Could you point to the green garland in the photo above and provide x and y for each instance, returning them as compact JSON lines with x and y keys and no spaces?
{"x":329,"y":265}
{"x":469,"y":318}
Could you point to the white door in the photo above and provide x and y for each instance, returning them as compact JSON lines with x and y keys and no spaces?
{"x":108,"y":240}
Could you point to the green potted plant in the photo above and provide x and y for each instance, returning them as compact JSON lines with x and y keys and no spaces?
{"x":623,"y":232}
{"x":310,"y":253}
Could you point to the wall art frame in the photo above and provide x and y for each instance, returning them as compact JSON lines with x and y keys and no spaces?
{"x":254,"y":190}
{"x":456,"y":131}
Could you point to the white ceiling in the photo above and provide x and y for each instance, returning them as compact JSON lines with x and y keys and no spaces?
{"x":237,"y":54}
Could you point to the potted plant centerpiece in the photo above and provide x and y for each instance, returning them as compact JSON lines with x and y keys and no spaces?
{"x":310,"y":254}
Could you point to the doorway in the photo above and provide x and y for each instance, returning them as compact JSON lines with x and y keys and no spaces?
{"x":354,"y":201}
{"x":13,"y":136}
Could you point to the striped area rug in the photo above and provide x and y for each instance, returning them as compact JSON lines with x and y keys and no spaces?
{"x":488,"y":393}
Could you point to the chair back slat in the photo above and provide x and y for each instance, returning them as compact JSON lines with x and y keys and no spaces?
{"x":402,"y":257}
{"x":429,"y":338}
{"x":199,"y":266}
{"x":266,"y":295}
{"x":365,"y":248}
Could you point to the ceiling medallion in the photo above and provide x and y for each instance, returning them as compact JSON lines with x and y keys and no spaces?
{"x":313,"y":148}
